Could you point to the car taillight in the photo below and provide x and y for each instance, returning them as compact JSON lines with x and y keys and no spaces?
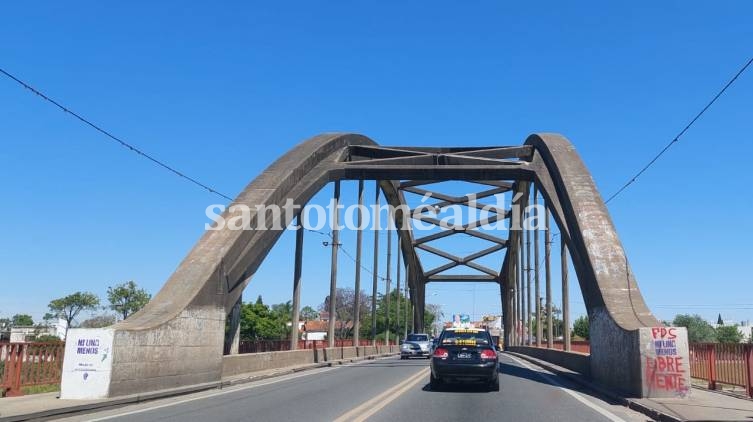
{"x":488,"y":354}
{"x":441,"y":353}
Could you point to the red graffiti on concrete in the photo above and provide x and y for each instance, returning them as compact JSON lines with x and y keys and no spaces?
{"x":666,"y":370}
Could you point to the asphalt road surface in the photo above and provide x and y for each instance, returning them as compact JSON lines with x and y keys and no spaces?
{"x":382,"y":390}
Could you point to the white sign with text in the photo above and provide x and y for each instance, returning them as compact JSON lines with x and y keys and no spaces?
{"x":88,"y":364}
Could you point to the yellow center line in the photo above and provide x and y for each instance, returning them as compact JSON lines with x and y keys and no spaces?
{"x":369,"y":407}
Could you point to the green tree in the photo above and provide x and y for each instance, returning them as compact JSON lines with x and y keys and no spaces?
{"x":49,"y":319}
{"x":308,"y":313}
{"x":699,"y":331}
{"x":258,"y":322}
{"x":345,"y":302}
{"x":557,"y":323}
{"x":580,"y":327}
{"x":432,"y":315}
{"x":397,"y":325}
{"x":283,"y":312}
{"x":44,"y":338}
{"x":127,"y":298}
{"x":22,"y":320}
{"x":70,"y":306}
{"x":728,"y":334}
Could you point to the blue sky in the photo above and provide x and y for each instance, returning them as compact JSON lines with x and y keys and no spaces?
{"x":220,"y":91}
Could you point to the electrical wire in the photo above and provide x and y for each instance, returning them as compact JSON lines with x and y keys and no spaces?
{"x":345,"y":251}
{"x":680,"y":134}
{"x":118,"y":140}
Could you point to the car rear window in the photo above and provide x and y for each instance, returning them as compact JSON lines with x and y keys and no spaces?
{"x":466,"y":338}
{"x":418,"y":337}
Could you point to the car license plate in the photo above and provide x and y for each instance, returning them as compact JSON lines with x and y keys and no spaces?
{"x":464,"y":355}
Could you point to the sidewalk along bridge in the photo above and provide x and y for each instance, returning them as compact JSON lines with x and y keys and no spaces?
{"x":179,"y":337}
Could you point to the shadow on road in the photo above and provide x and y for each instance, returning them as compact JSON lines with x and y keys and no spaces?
{"x":389,"y":365}
{"x":525,"y":373}
{"x":459,"y":388}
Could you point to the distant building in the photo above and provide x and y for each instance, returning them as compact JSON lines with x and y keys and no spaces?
{"x":314,"y":330}
{"x":743,"y":327}
{"x":317,"y":329}
{"x":28,"y":333}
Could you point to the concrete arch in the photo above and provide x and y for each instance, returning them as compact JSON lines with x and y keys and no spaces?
{"x":614,"y":303}
{"x":177,"y":339}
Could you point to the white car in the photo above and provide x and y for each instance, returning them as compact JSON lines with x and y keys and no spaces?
{"x":417,"y":344}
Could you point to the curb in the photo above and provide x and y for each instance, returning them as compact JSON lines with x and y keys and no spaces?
{"x":116,"y":402}
{"x":726,"y":393}
{"x":629,"y":403}
{"x":295,"y":369}
{"x":161,"y":394}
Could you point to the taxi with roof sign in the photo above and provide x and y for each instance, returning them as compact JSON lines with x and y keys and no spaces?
{"x":465,"y":355}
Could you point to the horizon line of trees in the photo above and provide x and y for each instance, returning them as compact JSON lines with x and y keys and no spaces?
{"x":263,"y":322}
{"x":699,"y":330}
{"x":124,"y":300}
{"x":258,"y":320}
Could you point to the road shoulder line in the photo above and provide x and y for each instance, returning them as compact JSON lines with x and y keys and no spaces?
{"x":631,"y":404}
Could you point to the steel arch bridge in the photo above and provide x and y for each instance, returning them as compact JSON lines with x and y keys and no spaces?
{"x":177,"y":339}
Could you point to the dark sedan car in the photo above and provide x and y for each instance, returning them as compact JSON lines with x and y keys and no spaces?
{"x":465,"y":355}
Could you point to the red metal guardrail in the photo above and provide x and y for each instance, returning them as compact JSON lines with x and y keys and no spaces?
{"x":258,"y":346}
{"x":725,"y":363}
{"x":580,"y":346}
{"x":27,"y":364}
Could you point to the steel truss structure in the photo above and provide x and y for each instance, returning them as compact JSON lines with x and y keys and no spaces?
{"x":208,"y":284}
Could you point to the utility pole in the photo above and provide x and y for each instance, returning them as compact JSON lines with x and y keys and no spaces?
{"x":548,"y":271}
{"x":407,"y":302}
{"x":297,"y":282}
{"x":539,"y":323}
{"x":565,"y":298}
{"x":375,"y":267}
{"x":397,"y":287}
{"x":333,"y":271}
{"x":359,"y":247}
{"x":387,"y":298}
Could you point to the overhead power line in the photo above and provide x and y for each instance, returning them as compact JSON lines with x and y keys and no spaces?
{"x":348,"y":254}
{"x":682,"y":132}
{"x":117,"y":139}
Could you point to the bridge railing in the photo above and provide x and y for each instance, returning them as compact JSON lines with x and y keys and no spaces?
{"x":580,"y":346}
{"x":724,"y":363}
{"x":29,"y":364}
{"x":716,"y":363}
{"x":259,"y":346}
